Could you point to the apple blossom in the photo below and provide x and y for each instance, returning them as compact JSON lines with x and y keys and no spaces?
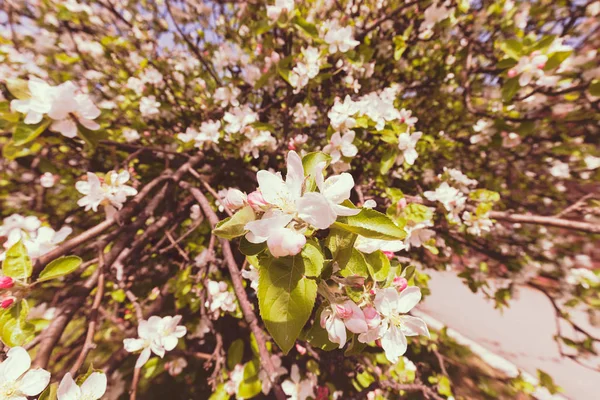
{"x":234,"y":199}
{"x":305,"y":114}
{"x":238,"y":118}
{"x":47,"y":180}
{"x":297,"y":388}
{"x":584,"y":277}
{"x":341,"y":146}
{"x":449,"y":196}
{"x":338,"y":317}
{"x":417,"y":234}
{"x":176,"y":366}
{"x":220,"y":297}
{"x":69,"y":107}
{"x":227,"y":95}
{"x":149,"y":106}
{"x":17,"y":381}
{"x":529,"y":67}
{"x":407,"y":143}
{"x":280,"y":7}
{"x":156,"y":335}
{"x":264,"y":377}
{"x":477,"y":224}
{"x":341,"y":114}
{"x":93,"y":388}
{"x":112,"y":193}
{"x":16,"y":227}
{"x":38,"y":104}
{"x":395,"y":325}
{"x":339,"y":38}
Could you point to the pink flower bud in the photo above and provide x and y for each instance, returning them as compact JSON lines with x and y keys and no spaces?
{"x":291,"y":145}
{"x":401,"y":203}
{"x":512,"y":73}
{"x":301,"y":349}
{"x":541,"y":65}
{"x":400,"y":283}
{"x":389,"y":254}
{"x":322,"y":393}
{"x":257,"y":201}
{"x":234,"y":199}
{"x":7,"y":302}
{"x":259,"y":48}
{"x":6,"y":282}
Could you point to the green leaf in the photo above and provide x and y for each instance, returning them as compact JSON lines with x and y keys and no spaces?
{"x":378,"y":265}
{"x":15,"y":330}
{"x":556,"y":59}
{"x":417,"y":213}
{"x":235,"y":354}
{"x":251,"y":249}
{"x":356,"y":266}
{"x":513,"y":48}
{"x":18,"y":88}
{"x":51,"y":392}
{"x":285,"y":298}
{"x":595,"y":88}
{"x":388,"y":160}
{"x":484,"y":195}
{"x":250,"y":386}
{"x":10,"y":151}
{"x":506,"y":63}
{"x":25,"y":133}
{"x":313,"y":258}
{"x":340,"y":243}
{"x":309,"y":162}
{"x":234,"y":226}
{"x":372,"y":224}
{"x":17,"y":263}
{"x":59,"y":268}
{"x":510,"y":88}
{"x":305,"y":26}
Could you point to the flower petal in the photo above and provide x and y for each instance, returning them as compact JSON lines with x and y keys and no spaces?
{"x":34,"y":381}
{"x":94,"y":386}
{"x":408,"y":298}
{"x":413,"y":326}
{"x":16,"y":364}
{"x":295,"y":174}
{"x":68,"y":389}
{"x":315,"y":209}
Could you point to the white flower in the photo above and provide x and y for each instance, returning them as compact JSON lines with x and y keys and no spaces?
{"x":152,"y":76}
{"x":45,"y":240}
{"x":176,"y":366}
{"x":195,"y":212}
{"x":66,"y":103}
{"x":341,"y":146}
{"x":17,"y":381}
{"x":584,"y":277}
{"x":238,"y":118}
{"x":227,"y":95}
{"x":234,"y":199}
{"x":149,"y":106}
{"x":281,"y":6}
{"x":209,"y":132}
{"x":156,"y":335}
{"x":296,"y":388}
{"x":407,"y":144}
{"x":189,"y":135}
{"x":93,"y":388}
{"x":112,"y":192}
{"x":395,"y":326}
{"x":510,"y":140}
{"x":406,"y":118}
{"x":591,"y":162}
{"x":235,"y":378}
{"x":340,"y":39}
{"x":252,"y":275}
{"x":135,"y":84}
{"x":264,"y":377}
{"x":16,"y":227}
{"x":418,"y":234}
{"x":449,"y":196}
{"x":305,"y":114}
{"x":220,"y":297}
{"x":322,"y":209}
{"x":38,"y":104}
{"x":341,"y":114}
{"x":312,"y":58}
{"x":529,"y":67}
{"x":560,"y":169}
{"x":457,"y":176}
{"x":337,"y":317}
{"x":47,"y":180}
{"x":368,"y":245}
{"x":477,"y":224}
{"x":272,"y":228}
{"x":299,"y":76}
{"x":130,"y":135}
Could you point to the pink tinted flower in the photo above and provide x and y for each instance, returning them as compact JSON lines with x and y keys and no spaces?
{"x":300,"y":349}
{"x":389,"y":254}
{"x":400,"y":283}
{"x":257,"y":201}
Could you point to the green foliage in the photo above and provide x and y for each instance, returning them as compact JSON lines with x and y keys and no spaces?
{"x":60,"y":267}
{"x":17,"y":263}
{"x":234,"y":226}
{"x":371,"y":224}
{"x":285,"y":298}
{"x":15,"y":330}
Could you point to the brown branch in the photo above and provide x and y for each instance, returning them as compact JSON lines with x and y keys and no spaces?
{"x":134,"y":384}
{"x":88,"y":345}
{"x":238,"y":287}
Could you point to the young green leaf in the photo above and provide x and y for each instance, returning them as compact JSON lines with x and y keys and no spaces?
{"x":372,"y":224}
{"x":234,"y":226}
{"x":59,"y":268}
{"x":17,"y":263}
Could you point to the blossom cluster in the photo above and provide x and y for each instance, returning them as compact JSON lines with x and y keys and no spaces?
{"x":18,"y":381}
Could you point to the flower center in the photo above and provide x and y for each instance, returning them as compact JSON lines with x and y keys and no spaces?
{"x":8,"y":389}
